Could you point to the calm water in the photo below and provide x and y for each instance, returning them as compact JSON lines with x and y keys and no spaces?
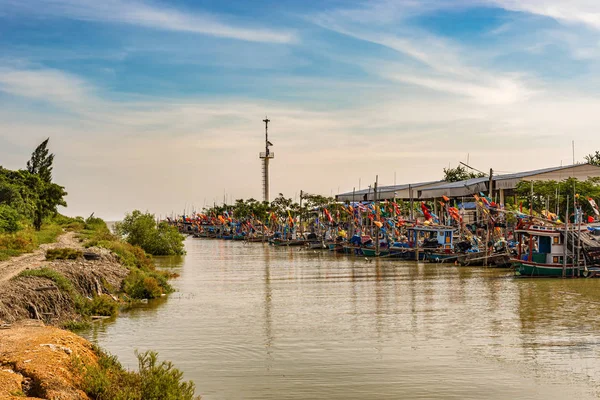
{"x":257,"y":322}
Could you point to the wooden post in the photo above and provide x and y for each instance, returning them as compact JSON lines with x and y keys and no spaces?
{"x":377,"y":214}
{"x":491,"y":185}
{"x":410,"y":195}
{"x":565,"y":245}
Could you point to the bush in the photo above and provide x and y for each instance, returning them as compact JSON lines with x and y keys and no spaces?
{"x":63,"y":254}
{"x":142,"y":285}
{"x":109,"y":380}
{"x":103,"y":305}
{"x":162,"y":381}
{"x":157,"y":239}
{"x":9,"y":219}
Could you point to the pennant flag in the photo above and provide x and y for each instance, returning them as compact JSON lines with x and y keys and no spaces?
{"x":594,"y":206}
{"x":328,"y":215}
{"x":425,"y":210}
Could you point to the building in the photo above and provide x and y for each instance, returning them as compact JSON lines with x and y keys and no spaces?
{"x":400,"y":192}
{"x":503,"y":185}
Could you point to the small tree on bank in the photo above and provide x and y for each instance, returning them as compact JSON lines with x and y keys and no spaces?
{"x":49,"y":195}
{"x":141,"y":229}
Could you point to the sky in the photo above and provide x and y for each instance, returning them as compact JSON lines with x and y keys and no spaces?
{"x":158,"y":105}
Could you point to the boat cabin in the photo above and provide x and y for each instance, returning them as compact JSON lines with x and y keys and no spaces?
{"x":541,"y":245}
{"x":432,"y":236}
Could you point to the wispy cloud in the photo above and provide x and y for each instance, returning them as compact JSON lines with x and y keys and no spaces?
{"x":442,"y":65}
{"x":585,"y":12}
{"x":150,"y":16}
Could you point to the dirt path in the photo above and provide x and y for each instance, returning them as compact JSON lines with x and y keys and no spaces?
{"x":37,"y":259}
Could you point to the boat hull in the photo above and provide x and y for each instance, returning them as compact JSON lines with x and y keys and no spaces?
{"x":527,"y":269}
{"x":373,"y":252}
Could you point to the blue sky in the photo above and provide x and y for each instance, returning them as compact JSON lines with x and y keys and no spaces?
{"x":157,"y":105}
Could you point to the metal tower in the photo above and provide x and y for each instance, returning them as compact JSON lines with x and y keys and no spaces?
{"x":265,"y":156}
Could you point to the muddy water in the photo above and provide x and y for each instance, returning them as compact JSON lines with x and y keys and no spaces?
{"x":257,"y":322}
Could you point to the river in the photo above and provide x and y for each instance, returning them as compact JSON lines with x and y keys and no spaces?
{"x":249,"y":321}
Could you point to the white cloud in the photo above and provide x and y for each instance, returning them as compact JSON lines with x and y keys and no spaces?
{"x":45,"y":84}
{"x":149,"y":15}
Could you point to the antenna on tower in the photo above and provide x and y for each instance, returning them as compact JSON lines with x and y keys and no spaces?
{"x":265,"y":157}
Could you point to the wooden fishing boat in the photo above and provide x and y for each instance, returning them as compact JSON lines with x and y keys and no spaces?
{"x":548,"y":259}
{"x":284,"y":242}
{"x":316,"y":245}
{"x":372,"y":252}
{"x":255,"y":239}
{"x":478,"y":259}
{"x":336,"y":247}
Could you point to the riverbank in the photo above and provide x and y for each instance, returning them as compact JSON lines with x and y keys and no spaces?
{"x":87,"y":273}
{"x":44,"y":362}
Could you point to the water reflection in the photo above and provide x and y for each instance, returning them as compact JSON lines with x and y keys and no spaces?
{"x":258,"y":322}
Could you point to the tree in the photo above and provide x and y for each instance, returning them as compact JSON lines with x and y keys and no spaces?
{"x":49,"y":195}
{"x":41,"y":162}
{"x":593,"y":159}
{"x":141,"y":229}
{"x":460,"y":173}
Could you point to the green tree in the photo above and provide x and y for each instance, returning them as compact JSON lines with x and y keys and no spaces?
{"x":50,"y":195}
{"x":593,"y":159}
{"x":141,"y":229}
{"x":460,"y":173}
{"x":41,"y":162}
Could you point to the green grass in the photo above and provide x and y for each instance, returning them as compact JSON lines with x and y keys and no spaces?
{"x":61,"y":282}
{"x":76,"y":326}
{"x":64,"y":253}
{"x":27,"y":240}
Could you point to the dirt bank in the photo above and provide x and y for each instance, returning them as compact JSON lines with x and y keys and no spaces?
{"x":37,"y":361}
{"x":25,"y":297}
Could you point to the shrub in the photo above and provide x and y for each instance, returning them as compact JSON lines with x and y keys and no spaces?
{"x":103,"y":305}
{"x":63,"y":254}
{"x":162,"y":381}
{"x":141,"y":229}
{"x":107,"y":379}
{"x":141,"y":285}
{"x":9,"y":219}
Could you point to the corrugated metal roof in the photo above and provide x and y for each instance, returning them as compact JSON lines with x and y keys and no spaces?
{"x":476,"y":183}
{"x":390,"y":188}
{"x":516,"y":175}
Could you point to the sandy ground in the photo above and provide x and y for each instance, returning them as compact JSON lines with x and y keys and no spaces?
{"x":37,"y":259}
{"x":36,"y":360}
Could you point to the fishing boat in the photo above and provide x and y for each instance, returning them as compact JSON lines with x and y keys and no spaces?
{"x":373,"y":252}
{"x":542,"y":253}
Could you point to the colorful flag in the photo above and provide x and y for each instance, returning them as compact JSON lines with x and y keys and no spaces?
{"x":594,"y":206}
